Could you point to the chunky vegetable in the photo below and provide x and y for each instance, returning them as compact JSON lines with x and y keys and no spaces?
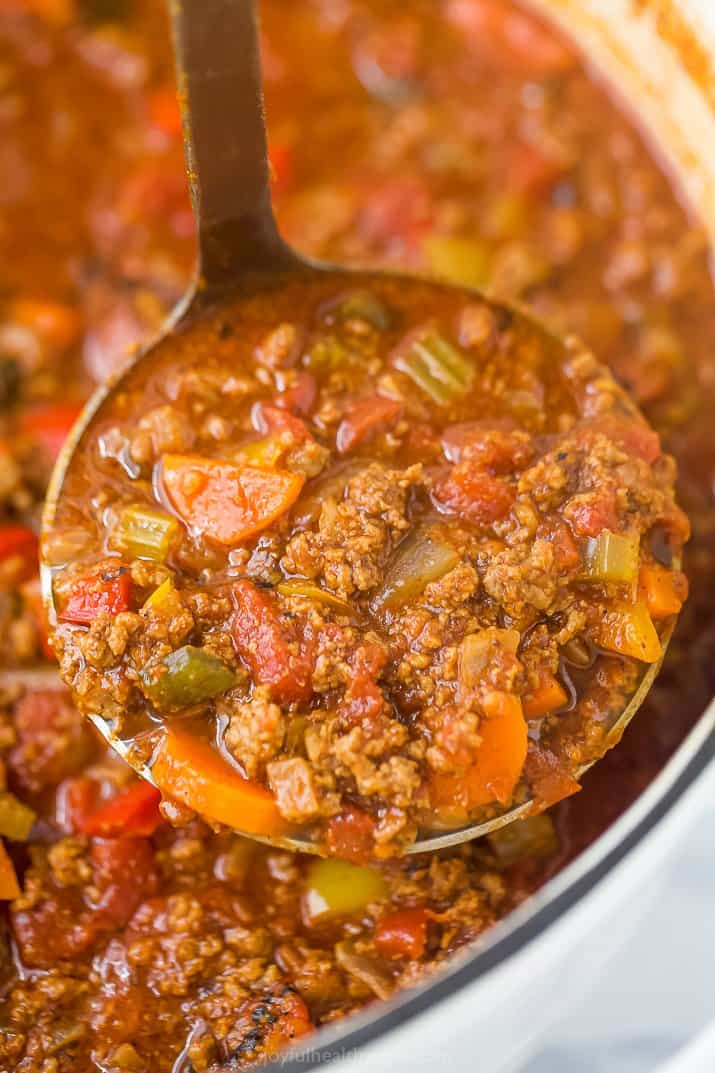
{"x":478,"y":650}
{"x":435,"y":365}
{"x":227,"y":502}
{"x":362,"y":305}
{"x":497,"y":768}
{"x":548,"y":696}
{"x":350,"y":835}
{"x":277,"y":659}
{"x":50,"y":425}
{"x":265,"y":453}
{"x":146,"y":533}
{"x":193,"y":773}
{"x":133,"y":812}
{"x":302,"y":587}
{"x":108,"y":593}
{"x":9,"y":886}
{"x":662,"y":591}
{"x":612,"y":557}
{"x":187,"y":676}
{"x":364,"y":420}
{"x":16,"y":819}
{"x":402,"y":934}
{"x":335,"y":888}
{"x":420,"y":559}
{"x":163,"y":599}
{"x":473,"y":494}
{"x":628,"y":630}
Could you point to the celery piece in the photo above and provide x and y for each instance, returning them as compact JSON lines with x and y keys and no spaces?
{"x":462,"y":261}
{"x":612,"y":557}
{"x":188,"y":676}
{"x":311,"y":591}
{"x":16,"y":819}
{"x":422,"y":558}
{"x":363,"y":305}
{"x":335,"y":888}
{"x":435,"y":365}
{"x":146,"y":533}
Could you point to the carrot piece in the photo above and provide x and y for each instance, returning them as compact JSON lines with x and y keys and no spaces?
{"x":498,"y":765}
{"x":193,"y":773}
{"x":402,"y":934}
{"x":628,"y":630}
{"x":227,"y":502}
{"x":9,"y":886}
{"x":663,"y":591}
{"x":548,"y":695}
{"x":133,"y":812}
{"x":350,"y":835}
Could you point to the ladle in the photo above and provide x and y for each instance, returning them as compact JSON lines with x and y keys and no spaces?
{"x":240,"y":248}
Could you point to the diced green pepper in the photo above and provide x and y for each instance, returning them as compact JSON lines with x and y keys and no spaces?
{"x":325,"y":354}
{"x":188,"y":676}
{"x":336,"y":888}
{"x":420,"y":559}
{"x":146,"y":533}
{"x":436,"y":366}
{"x":612,"y":557}
{"x":462,"y":261}
{"x":311,"y":591}
{"x":16,"y":819}
{"x":363,"y":305}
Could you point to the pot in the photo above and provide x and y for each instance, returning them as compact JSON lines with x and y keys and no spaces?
{"x":492,"y":1007}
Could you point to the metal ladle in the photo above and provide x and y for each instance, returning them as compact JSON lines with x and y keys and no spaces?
{"x":221,"y":96}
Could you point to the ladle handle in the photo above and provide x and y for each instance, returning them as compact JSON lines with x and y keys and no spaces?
{"x":221,"y":95}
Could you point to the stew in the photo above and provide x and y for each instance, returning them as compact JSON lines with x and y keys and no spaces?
{"x":351,"y":555}
{"x":461,"y":137}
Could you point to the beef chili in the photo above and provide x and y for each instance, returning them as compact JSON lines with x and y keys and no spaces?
{"x":382,"y":562}
{"x":134,"y":943}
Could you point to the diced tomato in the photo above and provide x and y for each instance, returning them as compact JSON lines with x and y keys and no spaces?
{"x":473,"y":494}
{"x":229,"y":502}
{"x":164,"y":111}
{"x":19,"y":543}
{"x":125,"y":874}
{"x":281,"y":161}
{"x":300,"y":397}
{"x":364,"y":700}
{"x":364,"y":420}
{"x":108,"y":593}
{"x":493,"y":445}
{"x":270,"y":420}
{"x":76,"y":801}
{"x":350,"y":835}
{"x":558,"y":533}
{"x":595,"y":512}
{"x":50,"y":425}
{"x":402,"y":934}
{"x":134,"y":811}
{"x":529,"y":171}
{"x":277,"y":658}
{"x":548,"y":696}
{"x":513,"y":38}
